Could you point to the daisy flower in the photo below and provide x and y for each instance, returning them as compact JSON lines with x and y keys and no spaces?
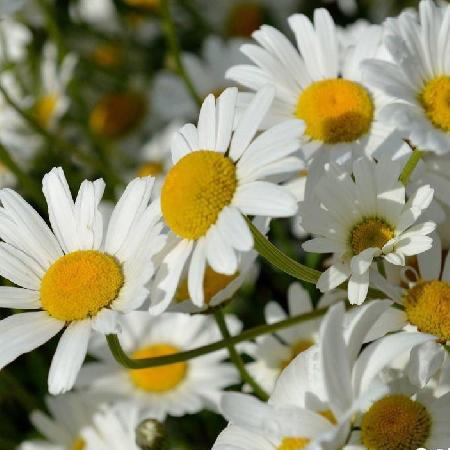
{"x":362,"y":216}
{"x":175,"y":389}
{"x":76,"y":278}
{"x":172,"y":101}
{"x":272,"y":353}
{"x":319,"y":83}
{"x":219,"y":175}
{"x":69,"y":413}
{"x":15,"y":38}
{"x":418,"y":79}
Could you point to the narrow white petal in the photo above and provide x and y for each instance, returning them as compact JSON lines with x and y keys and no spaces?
{"x":207,"y":124}
{"x":221,"y":256}
{"x":234,"y":229}
{"x":18,"y":298}
{"x":226,"y":108}
{"x":197,"y":273}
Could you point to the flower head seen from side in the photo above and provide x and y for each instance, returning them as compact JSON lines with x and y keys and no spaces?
{"x":362,"y":216}
{"x":77,"y":278}
{"x":418,"y":77}
{"x":175,"y":389}
{"x":319,"y":83}
{"x":219,"y":175}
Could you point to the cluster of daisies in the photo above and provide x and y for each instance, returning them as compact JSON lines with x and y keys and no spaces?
{"x":346,"y":132}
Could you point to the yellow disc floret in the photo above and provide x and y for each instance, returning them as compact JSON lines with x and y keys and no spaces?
{"x":117,"y":114}
{"x":296,"y":349}
{"x":78,"y":285}
{"x":293,"y":443}
{"x":79,"y":444}
{"x":196,"y":190}
{"x":427,"y":306}
{"x":162,"y":378}
{"x":335,"y":110}
{"x":371,"y":232}
{"x":395,"y":423}
{"x":435,"y":99}
{"x":45,"y":108}
{"x":150,"y":169}
{"x":213,"y":283}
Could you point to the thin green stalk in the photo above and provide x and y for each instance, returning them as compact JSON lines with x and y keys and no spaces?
{"x":52,"y":26}
{"x":410,"y":165}
{"x":130,"y":363}
{"x":281,"y":261}
{"x":32,"y":188}
{"x":172,"y":40}
{"x":236,"y":358}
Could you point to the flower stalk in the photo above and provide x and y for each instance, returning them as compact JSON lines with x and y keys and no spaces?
{"x":410,"y":166}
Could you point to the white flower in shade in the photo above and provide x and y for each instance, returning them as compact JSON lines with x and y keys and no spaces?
{"x":15,"y":38}
{"x":321,"y":84}
{"x":171,"y":100}
{"x":176,"y":389}
{"x":418,"y":79}
{"x":218,"y":176}
{"x":362,"y":216}
{"x":113,"y":428}
{"x":69,"y":413}
{"x":77,"y":278}
{"x":272,"y":353}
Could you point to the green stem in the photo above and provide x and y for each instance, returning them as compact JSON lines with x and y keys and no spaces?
{"x":410,"y":165}
{"x":130,"y":363}
{"x":52,"y":27}
{"x":15,"y":389}
{"x":236,"y":358}
{"x":281,"y":261}
{"x":32,"y":188}
{"x":172,"y":40}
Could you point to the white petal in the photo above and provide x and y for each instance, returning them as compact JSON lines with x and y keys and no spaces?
{"x":361,"y":263}
{"x":17,"y":298}
{"x":333,"y":277}
{"x":430,"y":262}
{"x":106,"y":322}
{"x":197,"y":273}
{"x":226,"y":107}
{"x":207,"y":124}
{"x":358,"y":286}
{"x":234,"y":229}
{"x":425,"y":361}
{"x":221,"y":256}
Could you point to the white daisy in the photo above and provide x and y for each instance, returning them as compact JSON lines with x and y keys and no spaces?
{"x":69,"y":413}
{"x":321,"y":84}
{"x":171,"y":100}
{"x":176,"y":389}
{"x":418,"y":79}
{"x":361,"y":216}
{"x":76,"y":277}
{"x":217,"y":177}
{"x":272,"y":353}
{"x":15,"y":37}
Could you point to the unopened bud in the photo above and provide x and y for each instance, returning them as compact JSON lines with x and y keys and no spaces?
{"x":151,"y":435}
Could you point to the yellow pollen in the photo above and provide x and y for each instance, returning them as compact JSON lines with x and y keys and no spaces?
{"x":328,"y":414}
{"x":213,"y":283}
{"x":144,"y":4}
{"x":395,"y":423}
{"x":196,"y":190}
{"x":78,"y":285}
{"x":244,"y":19}
{"x":79,"y":444}
{"x":109,"y":54}
{"x":371,"y":232}
{"x":117,"y":114}
{"x":150,"y":169}
{"x":45,"y":108}
{"x":296,"y":349}
{"x":158,"y":379}
{"x":427,"y":306}
{"x":335,"y":110}
{"x":435,"y":99}
{"x":293,"y":443}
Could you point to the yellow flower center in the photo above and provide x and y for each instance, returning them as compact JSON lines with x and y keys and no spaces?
{"x":435,"y":98}
{"x":144,"y":4}
{"x":296,"y":349}
{"x":196,"y":190}
{"x":117,"y":114}
{"x":79,"y":444}
{"x":150,"y":169}
{"x":78,"y":285}
{"x":395,"y":423}
{"x":244,"y":18}
{"x":371,"y":232}
{"x":335,"y":110}
{"x":293,"y":443}
{"x":162,"y":378}
{"x":213,"y":283}
{"x":44,"y":108}
{"x":109,"y":54}
{"x":427,"y":306}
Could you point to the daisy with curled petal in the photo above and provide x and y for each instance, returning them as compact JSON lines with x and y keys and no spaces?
{"x":320,"y":84}
{"x":273,"y":352}
{"x":361,"y":216}
{"x":76,"y":277}
{"x":69,"y":413}
{"x":418,"y":79}
{"x":219,"y":175}
{"x":175,"y":389}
